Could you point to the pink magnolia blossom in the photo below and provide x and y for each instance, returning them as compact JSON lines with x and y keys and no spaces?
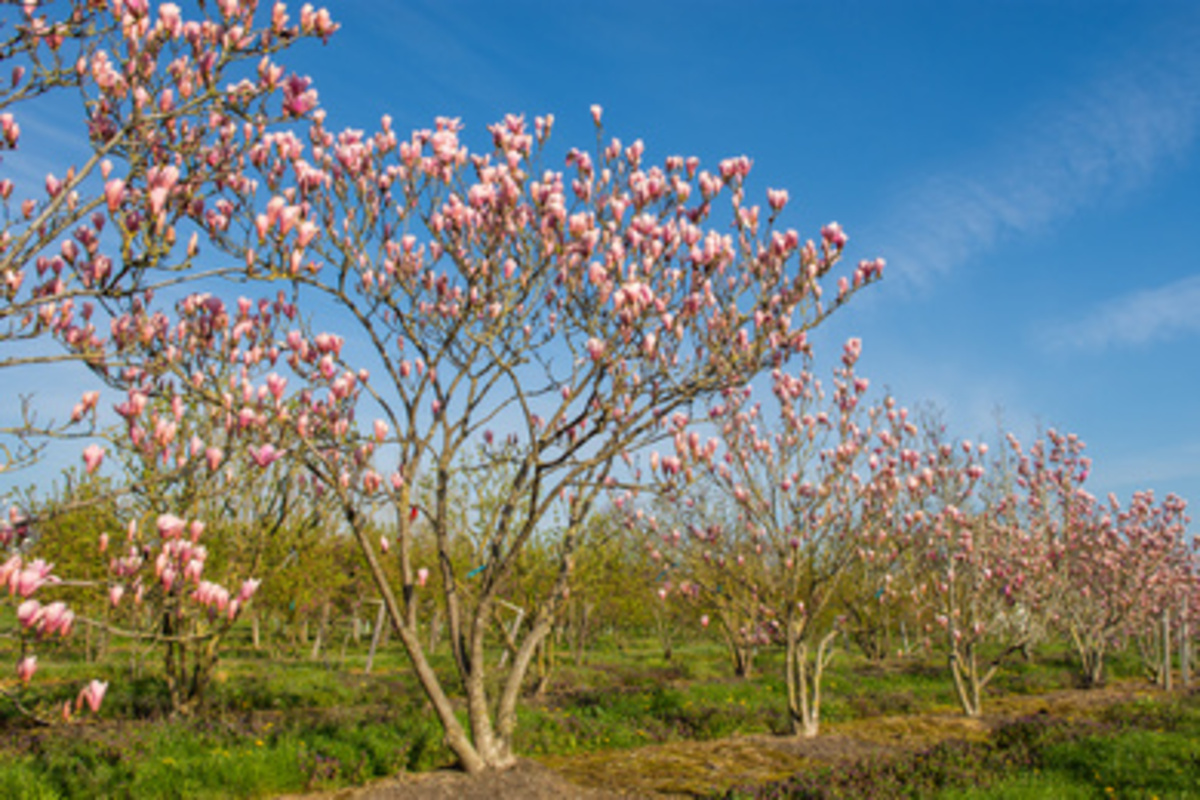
{"x":114,"y":194}
{"x":170,"y":526}
{"x":298,"y":98}
{"x":13,"y":564}
{"x":28,"y":613}
{"x":93,"y":695}
{"x":56,"y":618}
{"x":93,"y":455}
{"x":834,"y":235}
{"x":266,"y":455}
{"x":595,"y":348}
{"x":161,"y":181}
{"x":28,"y":580}
{"x":249,"y":587}
{"x":26,"y":667}
{"x":276,"y":385}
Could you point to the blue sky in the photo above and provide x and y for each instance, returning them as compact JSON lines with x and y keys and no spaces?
{"x":1030,"y":171}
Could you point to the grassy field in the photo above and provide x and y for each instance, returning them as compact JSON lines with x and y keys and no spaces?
{"x":284,"y":725}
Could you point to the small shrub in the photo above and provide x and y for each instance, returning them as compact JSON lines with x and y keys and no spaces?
{"x":882,"y":704}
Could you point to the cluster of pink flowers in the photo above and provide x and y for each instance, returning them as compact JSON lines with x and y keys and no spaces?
{"x":24,"y":578}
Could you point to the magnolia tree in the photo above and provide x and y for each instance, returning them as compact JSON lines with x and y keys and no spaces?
{"x":983,"y":574}
{"x":699,"y":544}
{"x":204,"y":427}
{"x":813,"y":481}
{"x":508,"y":318}
{"x":196,"y":453}
{"x":1112,"y":568}
{"x":1075,"y":535}
{"x":170,"y":107}
{"x":873,"y":596}
{"x":1153,"y":554}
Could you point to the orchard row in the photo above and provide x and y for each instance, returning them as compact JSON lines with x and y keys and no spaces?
{"x":470,"y":365}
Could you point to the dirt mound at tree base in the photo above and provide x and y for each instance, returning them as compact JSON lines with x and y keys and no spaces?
{"x":675,"y":770}
{"x":688,"y":769}
{"x":528,"y":780}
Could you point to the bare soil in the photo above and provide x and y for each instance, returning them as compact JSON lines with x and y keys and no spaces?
{"x":688,"y":769}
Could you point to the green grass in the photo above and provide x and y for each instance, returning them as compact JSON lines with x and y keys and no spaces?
{"x":276,"y":723}
{"x":1142,"y":764}
{"x":1147,"y":749}
{"x":1030,"y":786}
{"x":200,"y":759}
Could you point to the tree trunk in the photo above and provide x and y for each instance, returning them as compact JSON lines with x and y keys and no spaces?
{"x":804,"y":680}
{"x":435,"y":628}
{"x":967,"y":687}
{"x":1185,"y":648}
{"x":1166,"y":649}
{"x":546,"y":660}
{"x":376,"y":635}
{"x":743,"y":660}
{"x":322,"y":630}
{"x":1091,"y":659}
{"x":1093,"y":669}
{"x":579,"y":640}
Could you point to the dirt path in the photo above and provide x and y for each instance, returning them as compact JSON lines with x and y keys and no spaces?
{"x":687,"y":769}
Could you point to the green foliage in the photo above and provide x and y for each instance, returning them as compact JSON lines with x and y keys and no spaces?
{"x":71,"y":521}
{"x":22,"y":780}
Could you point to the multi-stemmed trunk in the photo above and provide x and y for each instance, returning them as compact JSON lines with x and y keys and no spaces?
{"x":970,"y":676}
{"x":580,"y":631}
{"x":743,"y":659}
{"x":486,"y":742}
{"x":804,"y":674}
{"x":188,"y":664}
{"x":741,"y":652}
{"x":968,"y":683}
{"x":1091,"y":652}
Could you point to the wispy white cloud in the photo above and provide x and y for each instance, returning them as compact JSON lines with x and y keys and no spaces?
{"x":1141,"y":317}
{"x":1099,"y":141}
